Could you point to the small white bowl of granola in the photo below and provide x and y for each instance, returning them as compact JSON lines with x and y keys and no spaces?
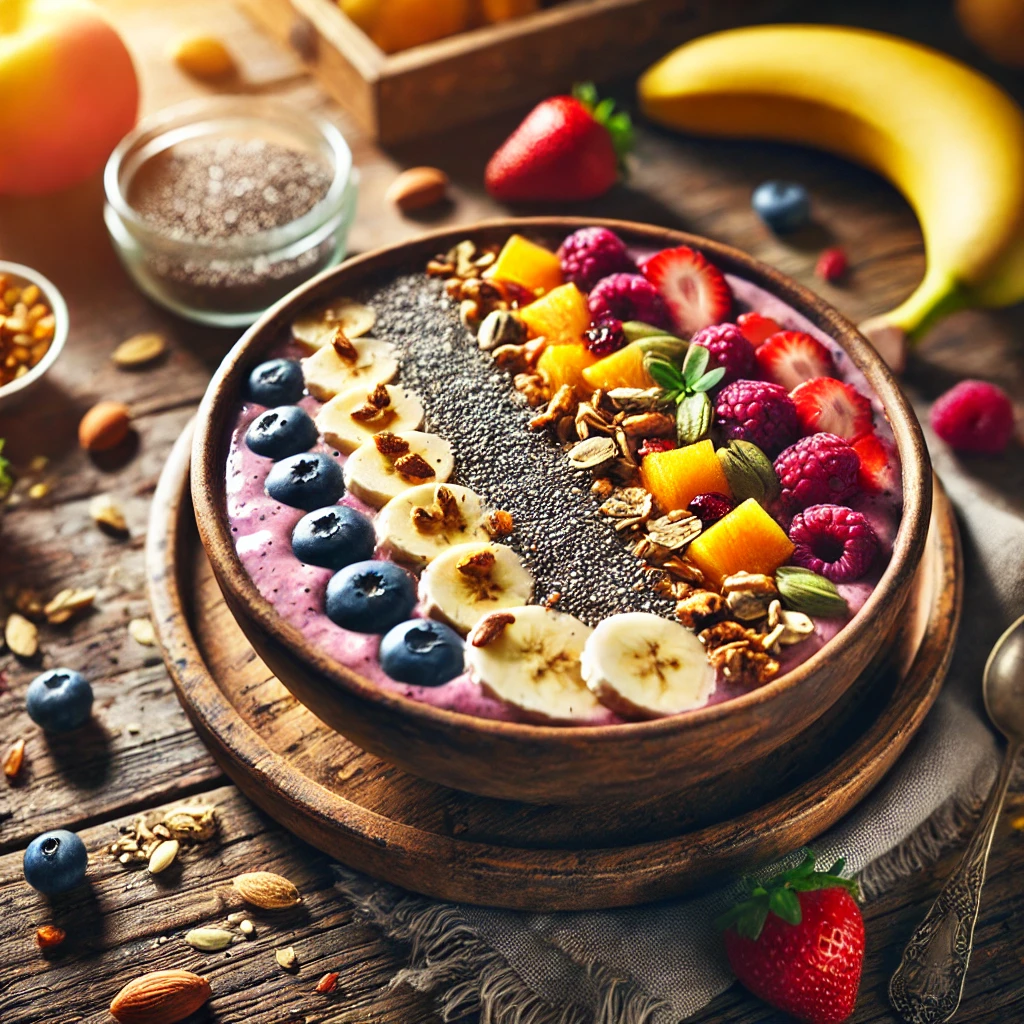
{"x":33,"y":329}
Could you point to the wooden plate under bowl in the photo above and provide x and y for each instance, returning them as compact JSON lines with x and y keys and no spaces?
{"x":545,"y":764}
{"x":455,"y":846}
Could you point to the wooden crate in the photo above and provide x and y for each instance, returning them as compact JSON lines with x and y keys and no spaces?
{"x":497,"y":67}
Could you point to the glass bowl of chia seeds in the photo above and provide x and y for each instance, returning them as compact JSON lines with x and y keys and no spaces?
{"x":218,"y":208}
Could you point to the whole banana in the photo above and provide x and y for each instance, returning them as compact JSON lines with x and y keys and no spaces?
{"x":947,"y":137}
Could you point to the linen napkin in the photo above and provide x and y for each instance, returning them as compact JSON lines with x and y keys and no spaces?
{"x":659,"y":963}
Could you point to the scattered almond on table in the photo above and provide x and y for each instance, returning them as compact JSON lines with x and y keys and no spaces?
{"x":142,"y":632}
{"x":161,"y":997}
{"x":139,"y":350}
{"x":106,"y":513}
{"x":266,"y":890}
{"x":286,"y":959}
{"x":104,"y":426}
{"x":204,"y":57}
{"x":418,"y":188}
{"x":68,"y":603}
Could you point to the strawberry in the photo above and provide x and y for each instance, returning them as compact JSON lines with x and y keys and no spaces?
{"x":832,"y":406}
{"x":877,"y":464}
{"x":791,"y":357}
{"x":757,"y":328}
{"x":694,"y":290}
{"x":797,"y":942}
{"x":567,"y":148}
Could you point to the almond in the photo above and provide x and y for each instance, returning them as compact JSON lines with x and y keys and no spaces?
{"x":104,"y":426}
{"x":162,"y":997}
{"x":266,"y":890}
{"x":138,"y":350}
{"x":418,"y":188}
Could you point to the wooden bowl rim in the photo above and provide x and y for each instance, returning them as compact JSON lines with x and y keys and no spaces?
{"x":222,"y":395}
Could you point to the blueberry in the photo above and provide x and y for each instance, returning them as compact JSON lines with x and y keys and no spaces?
{"x":276,"y":382}
{"x":55,"y":862}
{"x":308,"y":481}
{"x":423,"y":652}
{"x":370,"y":597}
{"x":280,"y":432}
{"x":59,"y":700}
{"x":333,"y":537}
{"x":782,"y":205}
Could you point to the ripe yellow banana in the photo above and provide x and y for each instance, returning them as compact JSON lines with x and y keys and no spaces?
{"x":948,"y":138}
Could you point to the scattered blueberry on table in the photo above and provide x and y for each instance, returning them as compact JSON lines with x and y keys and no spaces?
{"x":276,"y":382}
{"x":308,"y":481}
{"x":783,"y":205}
{"x":55,"y":862}
{"x":59,"y":700}
{"x":333,"y":537}
{"x":282,"y":431}
{"x":422,"y":651}
{"x":370,"y":596}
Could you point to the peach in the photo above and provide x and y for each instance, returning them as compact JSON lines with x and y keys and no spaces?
{"x":561,"y":316}
{"x":527,"y":264}
{"x":677,"y":476}
{"x":564,"y":364}
{"x":622,"y":369}
{"x":70,"y":94}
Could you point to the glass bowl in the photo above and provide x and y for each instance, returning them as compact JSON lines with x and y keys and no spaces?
{"x":229,"y":280}
{"x":12,"y":393}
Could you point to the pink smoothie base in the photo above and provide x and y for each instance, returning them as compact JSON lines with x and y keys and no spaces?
{"x":262,"y":530}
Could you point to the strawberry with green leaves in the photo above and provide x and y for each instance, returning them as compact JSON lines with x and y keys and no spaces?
{"x":567,"y":148}
{"x":797,"y":942}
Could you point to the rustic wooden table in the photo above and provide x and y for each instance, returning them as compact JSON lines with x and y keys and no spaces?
{"x":141,"y":753}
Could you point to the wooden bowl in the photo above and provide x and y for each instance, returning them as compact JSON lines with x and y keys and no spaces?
{"x":544,"y":764}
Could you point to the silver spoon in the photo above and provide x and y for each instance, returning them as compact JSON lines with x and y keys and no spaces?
{"x":929,"y":982}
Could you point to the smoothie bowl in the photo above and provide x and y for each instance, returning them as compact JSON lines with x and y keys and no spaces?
{"x":550,"y":510}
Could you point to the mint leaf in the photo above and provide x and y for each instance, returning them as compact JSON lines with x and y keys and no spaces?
{"x":710,"y":379}
{"x":664,"y":373}
{"x":695,"y":363}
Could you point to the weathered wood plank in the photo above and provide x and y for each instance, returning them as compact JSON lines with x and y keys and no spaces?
{"x":127,"y":922}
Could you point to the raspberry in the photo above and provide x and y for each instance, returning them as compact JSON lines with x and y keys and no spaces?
{"x":834,"y":541}
{"x":629,"y":297}
{"x":831,"y":265}
{"x":817,"y":469}
{"x":709,"y":508}
{"x":604,"y":336}
{"x":589,"y":254}
{"x":759,"y":412}
{"x":655,"y":444}
{"x":974,"y":416}
{"x":729,"y":349}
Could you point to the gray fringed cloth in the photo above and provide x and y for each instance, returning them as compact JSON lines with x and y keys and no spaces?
{"x":660,"y":963}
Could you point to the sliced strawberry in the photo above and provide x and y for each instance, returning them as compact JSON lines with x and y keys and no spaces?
{"x":878,"y":464}
{"x":791,"y":357}
{"x":756,"y":328}
{"x":832,"y":406}
{"x":695,"y":291}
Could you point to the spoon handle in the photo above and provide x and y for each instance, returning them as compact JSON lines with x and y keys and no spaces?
{"x":929,"y":982}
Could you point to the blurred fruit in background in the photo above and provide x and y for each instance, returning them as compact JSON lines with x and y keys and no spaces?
{"x":70,"y":94}
{"x":399,"y":24}
{"x":996,"y":26}
{"x":493,"y":11}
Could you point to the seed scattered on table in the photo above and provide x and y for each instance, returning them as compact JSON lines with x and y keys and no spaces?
{"x":106,"y":513}
{"x":68,"y":603}
{"x":328,"y":983}
{"x":142,"y":632}
{"x":163,"y":856}
{"x":138,"y":350}
{"x":21,"y":636}
{"x":49,"y":935}
{"x":13,"y":759}
{"x":286,"y":959}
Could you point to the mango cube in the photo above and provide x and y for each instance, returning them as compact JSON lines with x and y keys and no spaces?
{"x":564,"y":364}
{"x":676,"y":477}
{"x":745,"y":540}
{"x":561,"y":316}
{"x":525,"y":263}
{"x":622,"y":369}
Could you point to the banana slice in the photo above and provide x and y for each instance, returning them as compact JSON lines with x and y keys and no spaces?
{"x":533,"y":663}
{"x":641,"y":665}
{"x":426,"y":520}
{"x":327,"y":373}
{"x":377,"y":476}
{"x":316,"y":329}
{"x":355,"y":415}
{"x":469,"y":581}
